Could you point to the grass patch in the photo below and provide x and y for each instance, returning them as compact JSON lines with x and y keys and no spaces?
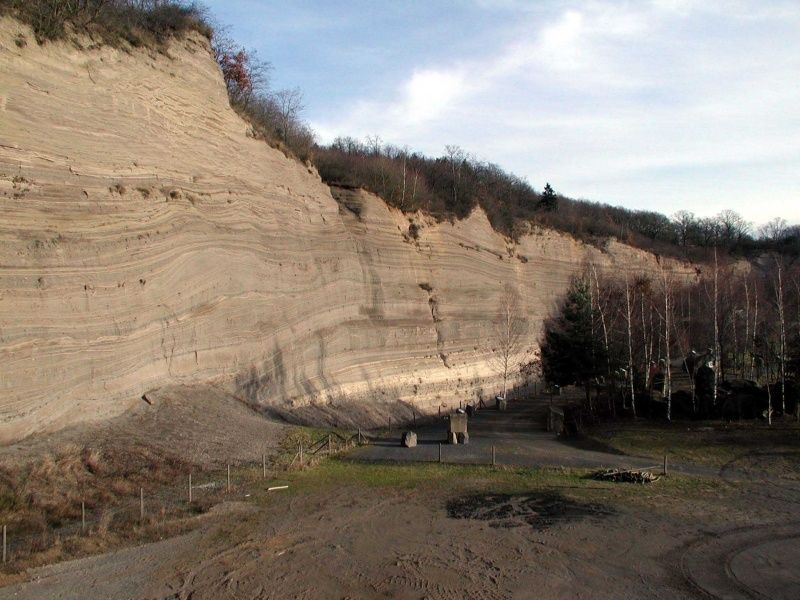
{"x":713,"y":443}
{"x":41,"y":500}
{"x":442,"y":480}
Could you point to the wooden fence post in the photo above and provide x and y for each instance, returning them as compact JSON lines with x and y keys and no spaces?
{"x":229,"y":479}
{"x":190,"y":488}
{"x":665,"y":464}
{"x":141,"y":506}
{"x":440,"y":452}
{"x":359,"y":436}
{"x":494,"y":462}
{"x":264,"y":465}
{"x":414,"y":414}
{"x":301,"y":455}
{"x":330,"y":448}
{"x":5,"y":555}
{"x":83,"y":516}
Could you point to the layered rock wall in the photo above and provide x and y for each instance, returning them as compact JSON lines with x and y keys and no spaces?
{"x":146,"y":239}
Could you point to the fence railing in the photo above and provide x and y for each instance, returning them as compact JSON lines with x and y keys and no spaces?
{"x":158,"y":507}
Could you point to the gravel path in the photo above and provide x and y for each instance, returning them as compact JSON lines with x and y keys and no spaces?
{"x":519,"y":439}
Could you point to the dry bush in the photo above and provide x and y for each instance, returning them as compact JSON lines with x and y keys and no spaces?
{"x":138,"y":22}
{"x":48,"y":491}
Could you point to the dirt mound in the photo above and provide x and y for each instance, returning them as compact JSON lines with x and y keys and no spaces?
{"x":197,"y":425}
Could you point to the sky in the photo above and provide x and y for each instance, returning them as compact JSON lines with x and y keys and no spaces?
{"x":661,"y":105}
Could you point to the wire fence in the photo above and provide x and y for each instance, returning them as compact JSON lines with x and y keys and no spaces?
{"x":159,"y":509}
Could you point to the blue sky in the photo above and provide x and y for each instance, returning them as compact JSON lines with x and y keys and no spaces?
{"x":661,"y":104}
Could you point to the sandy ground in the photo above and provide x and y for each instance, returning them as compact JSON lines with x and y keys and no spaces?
{"x":339,"y":532}
{"x":199,"y":424}
{"x":376,"y":543}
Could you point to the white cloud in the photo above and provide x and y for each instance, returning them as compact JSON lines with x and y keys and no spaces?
{"x":429,"y":92}
{"x":661,"y":103}
{"x":560,"y":44}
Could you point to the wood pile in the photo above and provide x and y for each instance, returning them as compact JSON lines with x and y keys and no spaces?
{"x":626,"y":476}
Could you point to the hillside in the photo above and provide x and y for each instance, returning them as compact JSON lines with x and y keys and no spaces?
{"x":147,"y":239}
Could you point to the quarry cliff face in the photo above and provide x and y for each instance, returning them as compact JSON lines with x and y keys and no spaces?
{"x":146,"y":239}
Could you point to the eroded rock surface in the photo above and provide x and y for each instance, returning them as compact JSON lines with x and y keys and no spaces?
{"x":146,"y":239}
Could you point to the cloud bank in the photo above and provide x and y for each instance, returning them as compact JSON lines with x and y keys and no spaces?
{"x":666,"y":105}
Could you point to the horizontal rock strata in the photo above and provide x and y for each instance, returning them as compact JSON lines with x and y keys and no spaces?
{"x":147,"y":239}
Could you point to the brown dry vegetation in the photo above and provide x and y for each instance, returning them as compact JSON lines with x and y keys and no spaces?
{"x":40,"y":502}
{"x":48,"y":492}
{"x":44,"y":479}
{"x":149,"y":23}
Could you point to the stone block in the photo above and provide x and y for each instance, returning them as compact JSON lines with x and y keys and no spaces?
{"x":409,"y":439}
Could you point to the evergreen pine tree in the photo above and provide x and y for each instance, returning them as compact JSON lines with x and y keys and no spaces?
{"x":569,"y":354}
{"x":548,"y":200}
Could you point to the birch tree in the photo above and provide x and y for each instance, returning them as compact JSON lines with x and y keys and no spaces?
{"x":601,"y":311}
{"x":509,"y":335}
{"x":716,"y":328}
{"x":456,"y":156}
{"x":629,"y":328}
{"x":779,"y":302}
{"x":667,"y":389}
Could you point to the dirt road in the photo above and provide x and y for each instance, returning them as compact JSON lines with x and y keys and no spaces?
{"x":354,"y":529}
{"x":424,"y":541}
{"x":519,"y":439}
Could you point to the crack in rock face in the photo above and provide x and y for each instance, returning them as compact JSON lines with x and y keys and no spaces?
{"x":538,"y":511}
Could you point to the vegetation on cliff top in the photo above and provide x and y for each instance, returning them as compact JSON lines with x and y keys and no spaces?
{"x":138,"y":22}
{"x":452,"y":185}
{"x":447,"y":187}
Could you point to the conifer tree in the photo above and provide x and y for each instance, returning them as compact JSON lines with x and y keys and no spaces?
{"x":569,"y":353}
{"x":548,"y":200}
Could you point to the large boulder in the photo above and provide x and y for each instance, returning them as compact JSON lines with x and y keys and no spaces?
{"x":409,"y":439}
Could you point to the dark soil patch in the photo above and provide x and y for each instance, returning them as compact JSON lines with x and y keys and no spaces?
{"x":540,"y":511}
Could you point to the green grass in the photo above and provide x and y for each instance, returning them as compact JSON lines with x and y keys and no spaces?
{"x":712,"y":443}
{"x":443,"y":480}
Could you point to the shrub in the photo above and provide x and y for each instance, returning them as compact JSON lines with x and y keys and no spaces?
{"x":451,"y":186}
{"x":138,"y":22}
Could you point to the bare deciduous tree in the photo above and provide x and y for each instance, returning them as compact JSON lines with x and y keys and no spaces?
{"x":601,"y":311}
{"x":667,"y":318}
{"x":716,"y":328}
{"x":775,"y":230}
{"x":509,"y":335}
{"x":457,"y":157}
{"x":732,"y":226}
{"x":685,"y":223}
{"x":628,"y":323}
{"x":290,"y":105}
{"x":779,"y":302}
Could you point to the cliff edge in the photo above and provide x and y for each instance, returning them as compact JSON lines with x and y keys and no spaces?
{"x":147,"y":239}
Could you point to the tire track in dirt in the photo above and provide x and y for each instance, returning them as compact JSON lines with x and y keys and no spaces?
{"x":713,"y":564}
{"x":708,"y":563}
